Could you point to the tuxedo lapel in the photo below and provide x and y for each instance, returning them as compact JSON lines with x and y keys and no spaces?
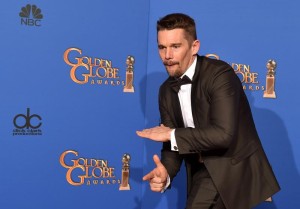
{"x":195,"y":91}
{"x":177,"y":110}
{"x":173,"y":104}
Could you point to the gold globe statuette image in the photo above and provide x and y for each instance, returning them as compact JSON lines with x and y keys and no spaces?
{"x":129,"y":75}
{"x":270,"y":79}
{"x":125,"y":173}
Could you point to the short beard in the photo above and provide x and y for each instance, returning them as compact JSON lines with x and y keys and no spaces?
{"x":177,"y":73}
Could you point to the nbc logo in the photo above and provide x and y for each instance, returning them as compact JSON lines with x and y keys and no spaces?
{"x":31,"y":15}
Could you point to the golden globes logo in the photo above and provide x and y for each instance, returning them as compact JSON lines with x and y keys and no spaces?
{"x":248,"y":78}
{"x":85,"y":69}
{"x":88,"y":171}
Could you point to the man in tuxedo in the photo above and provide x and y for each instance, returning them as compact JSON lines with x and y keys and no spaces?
{"x":207,"y":123}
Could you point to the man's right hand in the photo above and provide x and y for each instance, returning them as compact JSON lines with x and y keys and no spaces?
{"x":158,"y":176}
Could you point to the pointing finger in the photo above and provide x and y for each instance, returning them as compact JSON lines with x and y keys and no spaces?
{"x":148,"y":176}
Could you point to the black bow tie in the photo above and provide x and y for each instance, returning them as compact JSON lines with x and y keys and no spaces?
{"x":177,"y":82}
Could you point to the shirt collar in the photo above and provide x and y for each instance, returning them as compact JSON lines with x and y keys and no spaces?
{"x":191,"y":70}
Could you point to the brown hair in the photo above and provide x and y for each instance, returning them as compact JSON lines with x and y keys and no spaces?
{"x":178,"y":20}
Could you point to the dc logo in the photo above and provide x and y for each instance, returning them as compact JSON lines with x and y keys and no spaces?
{"x":27,"y":121}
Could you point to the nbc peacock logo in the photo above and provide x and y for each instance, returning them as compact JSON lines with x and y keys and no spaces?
{"x":31,"y":15}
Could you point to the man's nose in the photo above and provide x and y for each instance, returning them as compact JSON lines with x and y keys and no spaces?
{"x":168,"y":53}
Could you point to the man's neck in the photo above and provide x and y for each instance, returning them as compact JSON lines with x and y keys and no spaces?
{"x":191,"y":69}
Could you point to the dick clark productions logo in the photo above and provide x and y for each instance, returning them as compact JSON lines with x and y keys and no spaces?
{"x":27,"y":124}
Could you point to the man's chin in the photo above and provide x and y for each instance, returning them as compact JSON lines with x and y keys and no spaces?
{"x":172,"y":73}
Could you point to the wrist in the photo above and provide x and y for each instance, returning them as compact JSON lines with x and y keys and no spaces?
{"x":170,"y":134}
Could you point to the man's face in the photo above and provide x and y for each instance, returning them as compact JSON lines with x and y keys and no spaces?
{"x":175,"y":51}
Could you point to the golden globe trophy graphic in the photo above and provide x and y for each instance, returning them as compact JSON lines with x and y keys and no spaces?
{"x":129,"y":75}
{"x":125,"y":173}
{"x":270,"y":79}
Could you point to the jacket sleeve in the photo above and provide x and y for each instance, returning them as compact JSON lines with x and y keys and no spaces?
{"x":223,"y":90}
{"x":170,"y":159}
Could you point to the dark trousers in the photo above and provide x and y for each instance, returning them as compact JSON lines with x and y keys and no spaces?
{"x":203,"y":194}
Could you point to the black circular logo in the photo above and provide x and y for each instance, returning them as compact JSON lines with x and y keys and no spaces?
{"x":27,"y":122}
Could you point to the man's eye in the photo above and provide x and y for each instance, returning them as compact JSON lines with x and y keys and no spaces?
{"x":176,"y":46}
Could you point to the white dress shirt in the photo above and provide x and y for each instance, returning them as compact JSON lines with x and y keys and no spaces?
{"x":184,"y":96}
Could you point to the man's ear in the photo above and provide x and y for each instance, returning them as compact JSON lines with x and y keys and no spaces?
{"x":196,"y":47}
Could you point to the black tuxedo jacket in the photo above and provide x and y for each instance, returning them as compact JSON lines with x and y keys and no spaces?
{"x":224,"y":138}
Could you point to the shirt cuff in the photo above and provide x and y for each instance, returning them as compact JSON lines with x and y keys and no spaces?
{"x":174,"y":146}
{"x":167,"y":184}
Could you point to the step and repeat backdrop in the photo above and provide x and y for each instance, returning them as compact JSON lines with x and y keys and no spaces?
{"x":78,"y":78}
